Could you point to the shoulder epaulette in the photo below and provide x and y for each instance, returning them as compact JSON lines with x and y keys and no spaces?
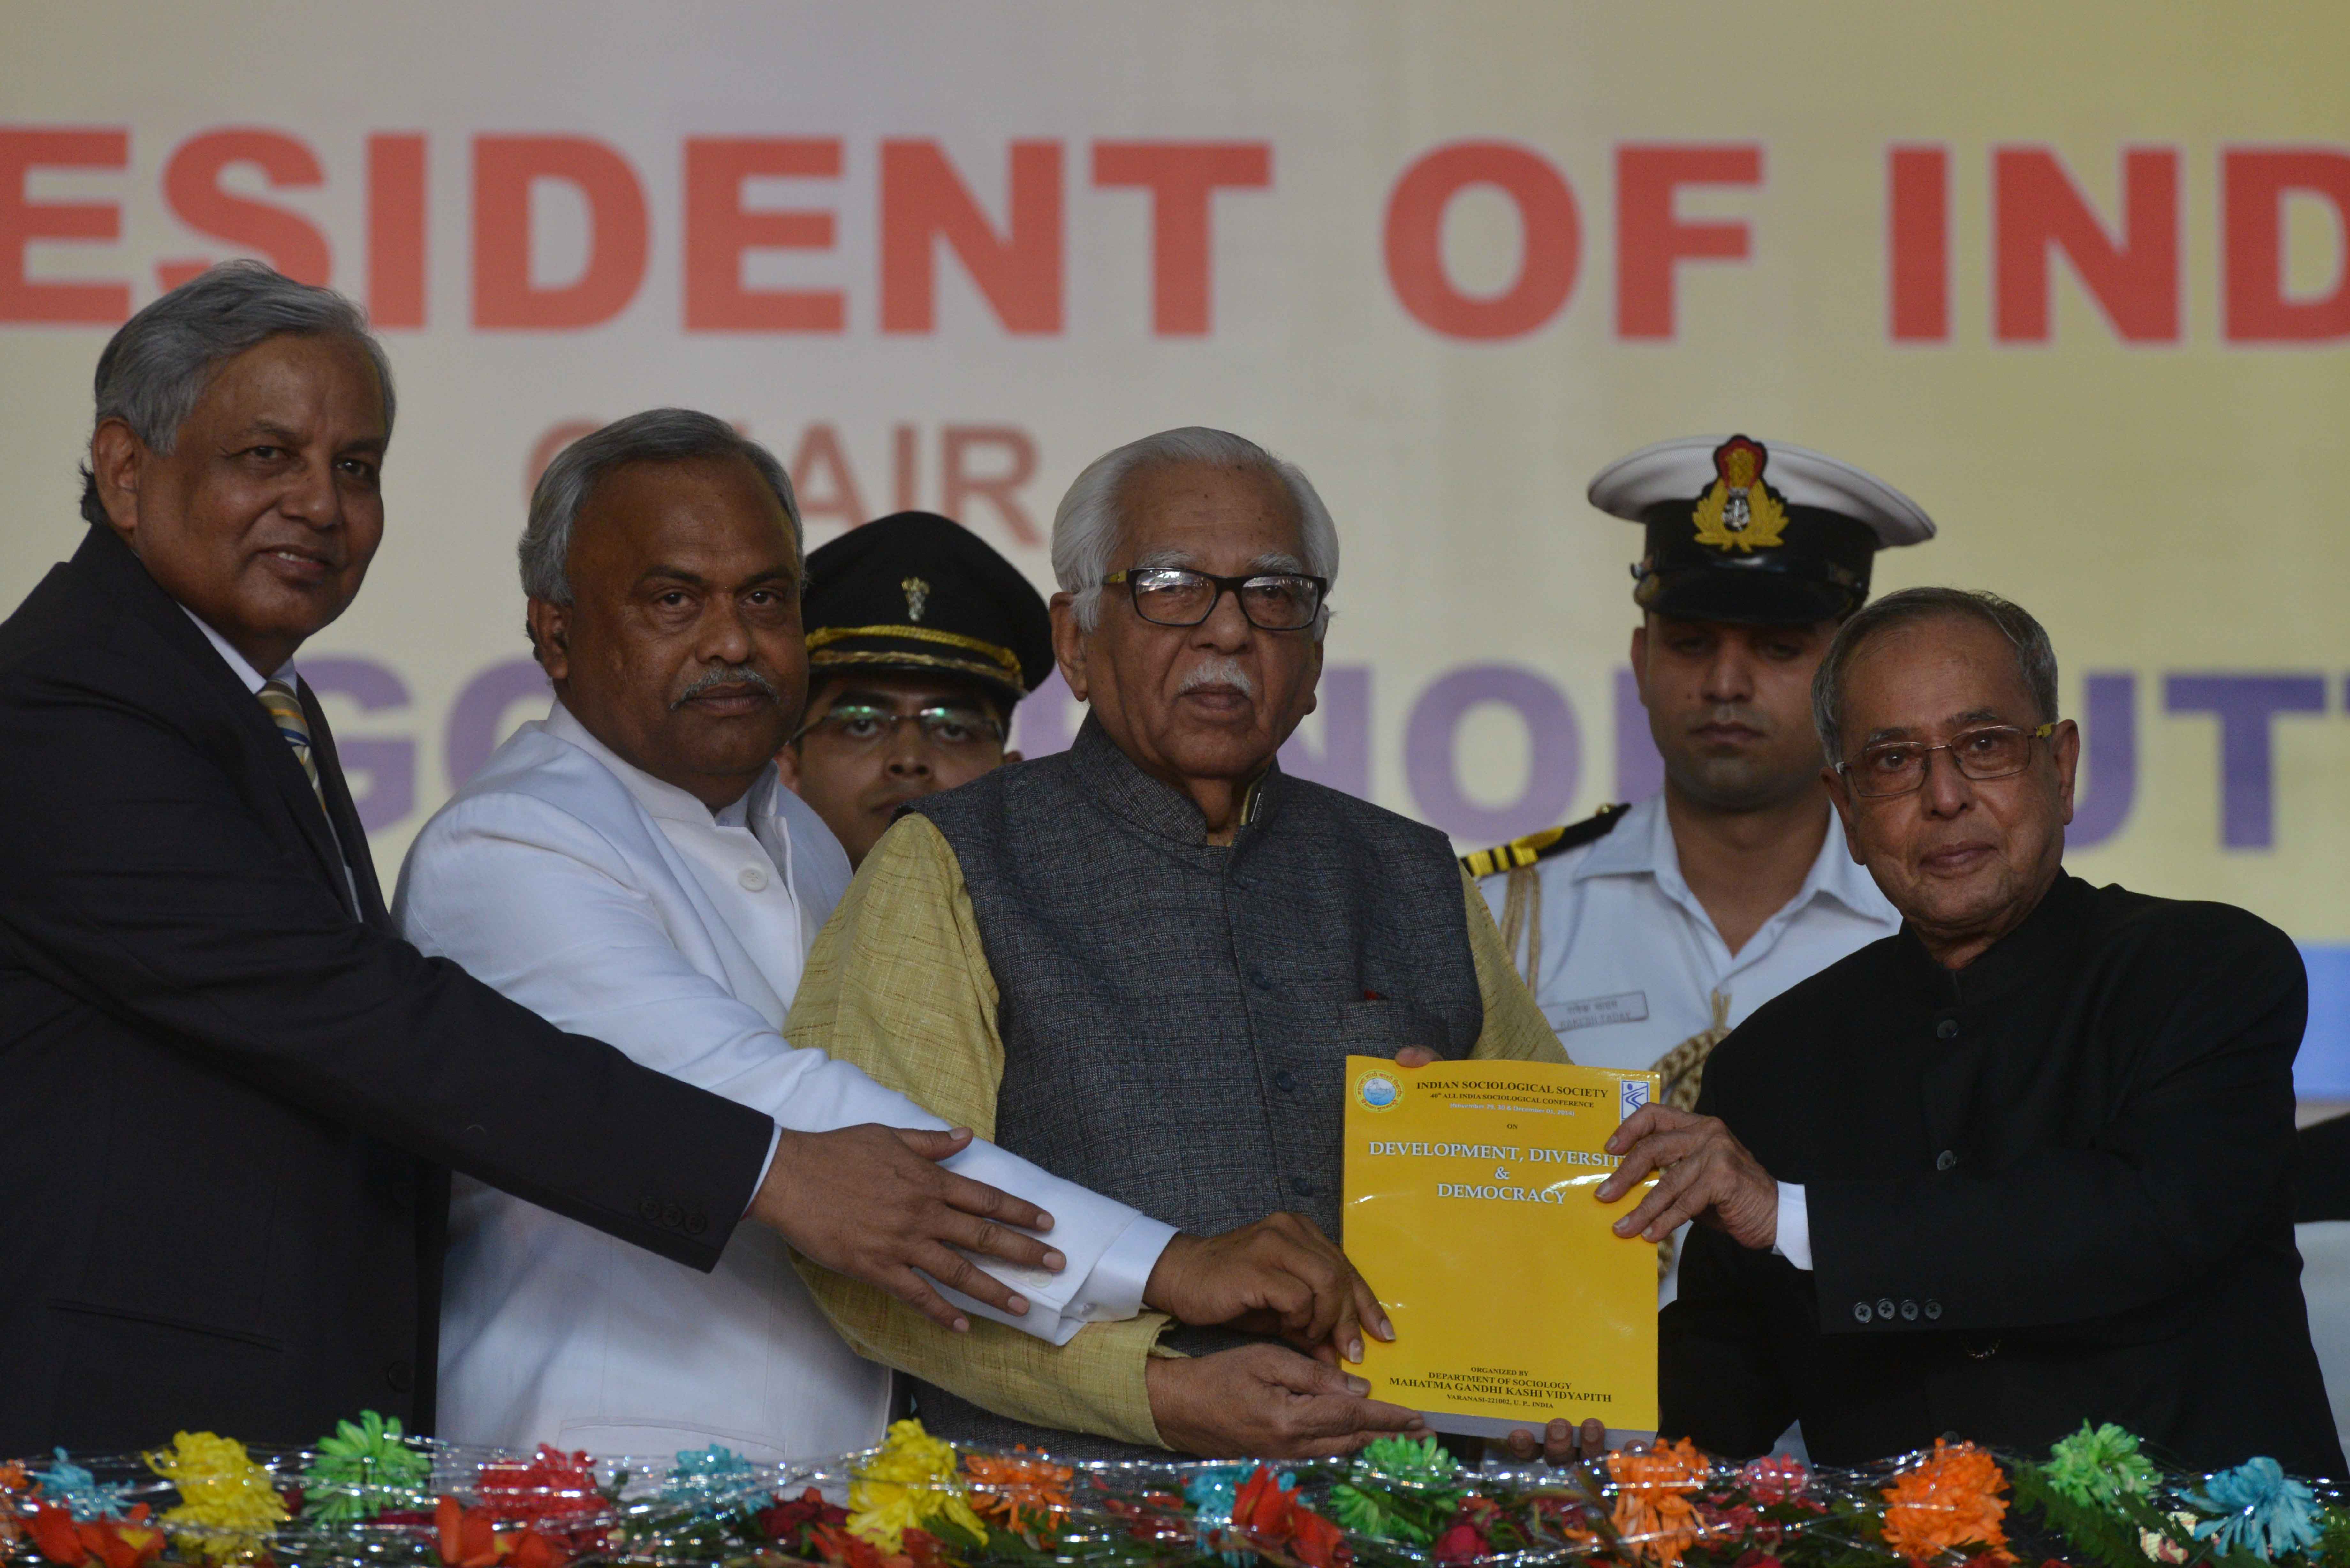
{"x":1541,"y":846}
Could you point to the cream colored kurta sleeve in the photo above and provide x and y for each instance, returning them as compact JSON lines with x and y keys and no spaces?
{"x":898,"y":984}
{"x":1515,"y":1026}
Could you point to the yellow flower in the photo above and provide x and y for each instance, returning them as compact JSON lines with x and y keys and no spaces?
{"x":231,"y":1502}
{"x":909,"y":1482}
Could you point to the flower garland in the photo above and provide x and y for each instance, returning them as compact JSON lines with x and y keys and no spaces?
{"x":363,"y":1499}
{"x":229,"y":1506}
{"x":2100,"y":1467}
{"x":1949,"y":1500}
{"x":1275,"y":1519}
{"x":1656,"y":1509}
{"x":1023,"y":1494}
{"x":2258,"y":1509}
{"x":366,"y":1466}
{"x":911,"y":1482}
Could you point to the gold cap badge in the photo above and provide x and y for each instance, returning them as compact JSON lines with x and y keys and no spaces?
{"x":1740,"y":512}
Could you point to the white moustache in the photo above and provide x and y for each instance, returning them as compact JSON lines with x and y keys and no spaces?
{"x":1219,"y":669}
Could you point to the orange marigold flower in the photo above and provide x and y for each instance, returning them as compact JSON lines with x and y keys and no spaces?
{"x":1948,"y":1499}
{"x":1024,"y":1493}
{"x":1654,"y":1515}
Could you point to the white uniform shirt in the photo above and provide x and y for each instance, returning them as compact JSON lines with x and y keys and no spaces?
{"x":1630,"y":961}
{"x":616,"y":906}
{"x":1631,"y":964}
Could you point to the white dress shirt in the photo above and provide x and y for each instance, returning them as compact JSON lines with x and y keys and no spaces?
{"x":1630,"y":962}
{"x":618,"y":907}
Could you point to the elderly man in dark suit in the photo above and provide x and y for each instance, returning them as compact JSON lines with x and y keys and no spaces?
{"x":2024,"y":1164}
{"x":229,"y":1093}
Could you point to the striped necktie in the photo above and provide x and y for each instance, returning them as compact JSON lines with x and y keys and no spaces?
{"x":285,"y":710}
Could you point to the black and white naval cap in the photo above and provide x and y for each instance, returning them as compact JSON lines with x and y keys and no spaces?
{"x":1739,"y":530}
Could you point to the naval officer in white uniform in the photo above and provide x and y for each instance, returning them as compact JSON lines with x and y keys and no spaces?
{"x":1649,"y":932}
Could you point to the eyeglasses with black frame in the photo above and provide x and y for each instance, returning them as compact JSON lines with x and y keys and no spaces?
{"x":1898,"y":767}
{"x":949,"y":727}
{"x":1177,"y":596}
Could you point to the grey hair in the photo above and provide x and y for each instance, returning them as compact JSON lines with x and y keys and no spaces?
{"x":1090,"y":523}
{"x":2035,"y":657}
{"x":158,"y":364}
{"x":656,"y":435}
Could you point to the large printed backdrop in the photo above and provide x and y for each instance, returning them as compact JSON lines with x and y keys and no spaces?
{"x":2074,"y":278}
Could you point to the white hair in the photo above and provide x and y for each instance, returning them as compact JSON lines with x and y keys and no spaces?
{"x":1089,"y":525}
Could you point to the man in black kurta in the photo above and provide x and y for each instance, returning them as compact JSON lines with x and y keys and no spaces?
{"x":2026,"y":1163}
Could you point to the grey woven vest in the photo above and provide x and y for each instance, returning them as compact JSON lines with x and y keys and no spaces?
{"x":1176,"y":1016}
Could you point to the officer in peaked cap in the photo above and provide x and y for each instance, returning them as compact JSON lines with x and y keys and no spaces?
{"x":1648,"y":931}
{"x":921,"y":641}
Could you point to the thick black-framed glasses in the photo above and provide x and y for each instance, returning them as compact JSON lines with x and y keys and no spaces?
{"x":1177,"y":596}
{"x":1898,"y":767}
{"x":949,"y":728}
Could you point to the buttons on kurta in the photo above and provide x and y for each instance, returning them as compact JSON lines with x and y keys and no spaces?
{"x":1861,"y":1312}
{"x":754,"y":878}
{"x":1933,"y":1309}
{"x":648,"y":1209}
{"x":1286,"y":1080}
{"x":1948,"y":1029}
{"x":1884,"y":1309}
{"x":1304,"y":1185}
{"x":1908,"y":1311}
{"x":1946,"y":1160}
{"x":398,"y":1377}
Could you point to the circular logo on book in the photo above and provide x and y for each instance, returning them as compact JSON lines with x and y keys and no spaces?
{"x":1378,"y":1091}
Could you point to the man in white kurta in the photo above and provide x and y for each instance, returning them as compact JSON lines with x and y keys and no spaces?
{"x":632,"y":865}
{"x":614,"y":904}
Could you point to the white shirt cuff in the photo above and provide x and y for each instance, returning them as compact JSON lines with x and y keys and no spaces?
{"x":1113,"y":1291}
{"x":1794,"y":1240}
{"x":767,"y":1167}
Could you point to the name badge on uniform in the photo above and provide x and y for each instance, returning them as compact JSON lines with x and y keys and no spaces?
{"x":1590,"y":1011}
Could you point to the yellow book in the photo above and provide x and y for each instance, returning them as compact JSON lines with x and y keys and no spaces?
{"x":1469,"y":1209}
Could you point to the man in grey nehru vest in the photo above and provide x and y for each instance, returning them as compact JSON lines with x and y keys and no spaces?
{"x":1143,"y":962}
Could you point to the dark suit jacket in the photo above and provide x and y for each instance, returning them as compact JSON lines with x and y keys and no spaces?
{"x":228,"y":1098}
{"x":2054,"y":1186}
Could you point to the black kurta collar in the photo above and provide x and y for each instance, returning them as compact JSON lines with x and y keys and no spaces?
{"x":1157,"y":807}
{"x":2047,"y":936}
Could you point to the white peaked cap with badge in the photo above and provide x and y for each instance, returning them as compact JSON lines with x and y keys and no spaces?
{"x":1745,"y":530}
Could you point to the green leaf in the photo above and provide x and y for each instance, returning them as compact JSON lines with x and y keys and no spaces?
{"x":2109,"y":1538}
